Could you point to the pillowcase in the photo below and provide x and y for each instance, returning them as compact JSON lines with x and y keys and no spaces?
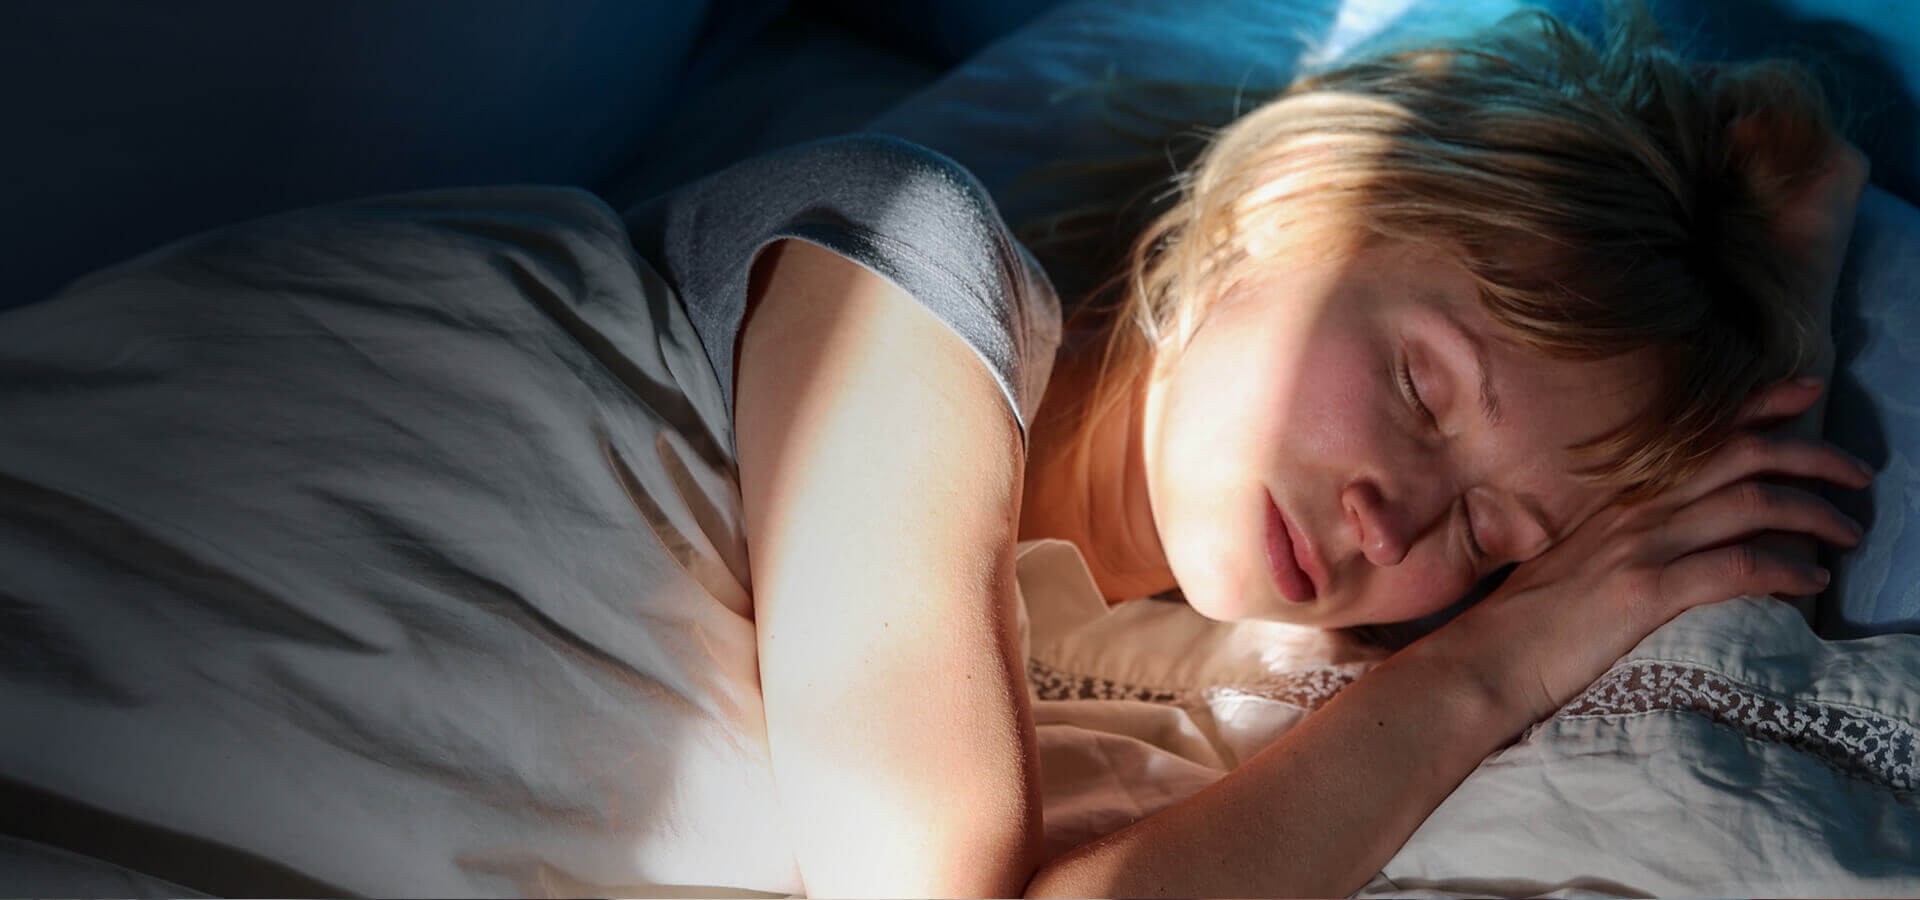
{"x":1731,"y":754}
{"x":1874,"y":412}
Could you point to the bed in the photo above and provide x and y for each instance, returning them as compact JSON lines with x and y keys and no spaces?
{"x":1739,"y":750}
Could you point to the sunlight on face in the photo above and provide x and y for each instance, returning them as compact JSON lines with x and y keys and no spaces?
{"x":1350,"y":440}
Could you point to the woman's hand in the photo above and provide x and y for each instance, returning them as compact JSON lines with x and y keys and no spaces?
{"x":1560,"y":620}
{"x":1816,"y":212}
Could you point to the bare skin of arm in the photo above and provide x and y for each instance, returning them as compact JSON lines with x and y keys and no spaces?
{"x":881,"y":469}
{"x":1317,"y":812}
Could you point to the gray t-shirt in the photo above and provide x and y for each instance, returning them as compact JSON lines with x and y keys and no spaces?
{"x":394,"y":547}
{"x":907,"y":213}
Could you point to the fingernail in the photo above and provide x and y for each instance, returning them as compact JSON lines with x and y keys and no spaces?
{"x":1822,"y":575}
{"x":1808,"y":381}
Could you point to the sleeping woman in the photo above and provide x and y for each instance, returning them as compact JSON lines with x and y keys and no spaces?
{"x":445,"y":544}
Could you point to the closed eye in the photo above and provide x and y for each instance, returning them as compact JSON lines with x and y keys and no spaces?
{"x":1413,"y":393}
{"x":1473,"y":540}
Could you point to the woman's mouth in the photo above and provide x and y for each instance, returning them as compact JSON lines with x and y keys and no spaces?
{"x":1283,"y":557}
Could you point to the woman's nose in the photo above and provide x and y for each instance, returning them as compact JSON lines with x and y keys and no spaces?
{"x":1384,"y":529}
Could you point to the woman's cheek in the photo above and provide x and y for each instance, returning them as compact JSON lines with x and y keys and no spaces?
{"x":1339,"y":404}
{"x":1413,"y":591}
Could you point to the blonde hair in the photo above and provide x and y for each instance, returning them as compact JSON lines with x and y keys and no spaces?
{"x":1607,"y":198}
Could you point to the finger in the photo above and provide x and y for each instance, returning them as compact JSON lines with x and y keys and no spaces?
{"x":1749,"y":454}
{"x":1744,"y":509}
{"x":1780,"y":401}
{"x":1723,"y":573}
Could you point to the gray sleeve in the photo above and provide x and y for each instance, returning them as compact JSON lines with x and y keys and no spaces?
{"x":910,"y":215}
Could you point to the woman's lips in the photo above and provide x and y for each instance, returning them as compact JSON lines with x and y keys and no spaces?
{"x":1283,"y":555}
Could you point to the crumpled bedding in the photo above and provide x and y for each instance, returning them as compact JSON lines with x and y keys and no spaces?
{"x":396,"y":547}
{"x":1140,"y":705}
{"x":1733,"y":753}
{"x":389,"y":548}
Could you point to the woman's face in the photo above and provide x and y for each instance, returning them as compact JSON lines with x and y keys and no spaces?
{"x":1293,"y":423}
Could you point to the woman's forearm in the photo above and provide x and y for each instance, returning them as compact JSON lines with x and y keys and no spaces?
{"x":1319,"y":811}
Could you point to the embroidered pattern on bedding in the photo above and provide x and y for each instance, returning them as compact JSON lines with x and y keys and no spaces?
{"x":1878,"y":748}
{"x":1862,"y":743}
{"x":1306,"y":689}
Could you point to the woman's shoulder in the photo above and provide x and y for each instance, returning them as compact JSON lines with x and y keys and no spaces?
{"x":907,"y":213}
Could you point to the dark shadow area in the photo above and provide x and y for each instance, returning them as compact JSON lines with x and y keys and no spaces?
{"x":801,"y":78}
{"x":1860,"y":70}
{"x":185,"y":860}
{"x":1853,"y":422}
{"x":131,"y":125}
{"x":1867,"y":88}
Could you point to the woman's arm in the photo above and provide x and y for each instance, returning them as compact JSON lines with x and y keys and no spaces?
{"x":880,"y":468}
{"x":1816,"y":216}
{"x":1319,"y":811}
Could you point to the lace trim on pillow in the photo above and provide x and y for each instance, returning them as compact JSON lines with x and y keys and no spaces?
{"x":1306,"y":689}
{"x":1872,"y":746}
{"x":1858,"y":742}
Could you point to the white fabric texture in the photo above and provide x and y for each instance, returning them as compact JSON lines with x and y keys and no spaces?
{"x":1732,"y":753}
{"x":395,"y":548}
{"x":323,"y":546}
{"x":1140,"y":705}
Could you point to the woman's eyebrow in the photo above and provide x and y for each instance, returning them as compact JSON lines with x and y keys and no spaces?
{"x":1490,"y":409}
